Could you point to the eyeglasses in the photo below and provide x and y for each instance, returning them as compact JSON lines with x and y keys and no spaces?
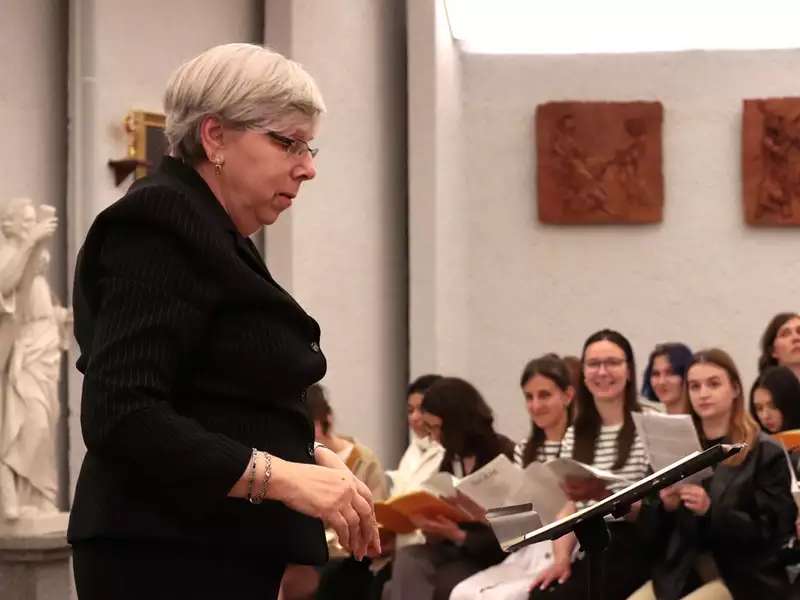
{"x":610,"y":364}
{"x":293,"y":146}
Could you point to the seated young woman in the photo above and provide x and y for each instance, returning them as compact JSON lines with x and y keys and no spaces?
{"x":302,"y":582}
{"x":663,"y":384}
{"x":547,"y":387}
{"x":775,"y":404}
{"x":775,"y":400}
{"x":364,"y":580}
{"x":423,"y":455}
{"x":457,"y":416}
{"x":604,"y":436}
{"x":722,"y":539}
{"x":780,"y":343}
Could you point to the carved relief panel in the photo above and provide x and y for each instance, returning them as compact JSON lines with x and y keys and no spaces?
{"x":771,"y":161}
{"x":599,"y":162}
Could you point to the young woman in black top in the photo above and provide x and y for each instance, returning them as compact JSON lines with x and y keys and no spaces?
{"x":458,"y":418}
{"x":732,"y":526}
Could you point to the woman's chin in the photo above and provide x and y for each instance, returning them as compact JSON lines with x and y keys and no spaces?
{"x":608,"y":394}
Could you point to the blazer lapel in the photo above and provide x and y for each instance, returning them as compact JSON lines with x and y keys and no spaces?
{"x":247,"y":250}
{"x":251,"y":256}
{"x":721,"y":482}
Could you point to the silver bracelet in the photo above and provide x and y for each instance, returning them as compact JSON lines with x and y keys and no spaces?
{"x":267,"y":476}
{"x":319,"y":445}
{"x":252,"y":477}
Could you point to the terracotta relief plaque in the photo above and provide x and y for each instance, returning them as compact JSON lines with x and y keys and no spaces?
{"x":771,"y":161}
{"x":599,"y":162}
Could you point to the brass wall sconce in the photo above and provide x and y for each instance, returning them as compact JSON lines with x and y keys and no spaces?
{"x":146,"y":145}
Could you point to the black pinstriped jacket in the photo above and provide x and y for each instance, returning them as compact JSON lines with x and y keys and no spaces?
{"x":191,"y":355}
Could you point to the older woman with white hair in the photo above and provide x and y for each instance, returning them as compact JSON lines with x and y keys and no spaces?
{"x":201,"y":477}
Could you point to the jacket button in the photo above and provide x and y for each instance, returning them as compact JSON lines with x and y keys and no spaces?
{"x":315,"y":346}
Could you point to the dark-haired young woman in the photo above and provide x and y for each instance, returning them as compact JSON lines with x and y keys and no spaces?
{"x":604,"y":436}
{"x":547,"y":386}
{"x":456,"y":416}
{"x":780,"y":343}
{"x":775,"y":400}
{"x":664,"y":377}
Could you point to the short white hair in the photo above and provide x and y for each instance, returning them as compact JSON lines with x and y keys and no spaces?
{"x":245,"y":85}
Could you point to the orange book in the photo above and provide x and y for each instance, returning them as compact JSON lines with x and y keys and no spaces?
{"x":789,"y":438}
{"x":394,"y":514}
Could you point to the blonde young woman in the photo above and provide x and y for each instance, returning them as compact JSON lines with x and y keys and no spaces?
{"x":722,"y":538}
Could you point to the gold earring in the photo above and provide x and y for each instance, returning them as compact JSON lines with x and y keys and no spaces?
{"x":219,"y":162}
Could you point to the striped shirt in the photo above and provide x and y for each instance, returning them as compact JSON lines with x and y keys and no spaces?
{"x":544,"y":452}
{"x":605,"y":454}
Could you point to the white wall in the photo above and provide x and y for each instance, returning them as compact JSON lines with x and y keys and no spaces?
{"x":523,"y":288}
{"x":438,"y":248}
{"x":701,"y":276}
{"x":120,"y":58}
{"x":342,"y":247}
{"x":33,"y":114}
{"x":33,"y":107}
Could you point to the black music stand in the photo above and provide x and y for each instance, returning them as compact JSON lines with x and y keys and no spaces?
{"x":589,"y":524}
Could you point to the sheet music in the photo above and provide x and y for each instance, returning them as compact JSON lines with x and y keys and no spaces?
{"x":668,"y":438}
{"x":502,"y":483}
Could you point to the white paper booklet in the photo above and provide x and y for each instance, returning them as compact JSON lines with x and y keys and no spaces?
{"x":523,"y":500}
{"x":440,"y":484}
{"x":567,"y":467}
{"x":668,"y":438}
{"x":533,"y":492}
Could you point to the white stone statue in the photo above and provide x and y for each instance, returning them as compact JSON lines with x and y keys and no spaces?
{"x":33,"y":335}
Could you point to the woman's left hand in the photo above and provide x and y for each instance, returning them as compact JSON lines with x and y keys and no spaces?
{"x":695,"y":498}
{"x":584,"y":488}
{"x":441,"y":527}
{"x":325,"y":457}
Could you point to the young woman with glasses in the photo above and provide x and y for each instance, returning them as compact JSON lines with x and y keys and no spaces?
{"x":604,"y":436}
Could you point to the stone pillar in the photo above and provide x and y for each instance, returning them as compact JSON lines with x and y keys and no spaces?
{"x":35,"y":568}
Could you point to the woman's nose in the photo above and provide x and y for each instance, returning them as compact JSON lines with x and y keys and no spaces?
{"x":305,"y":169}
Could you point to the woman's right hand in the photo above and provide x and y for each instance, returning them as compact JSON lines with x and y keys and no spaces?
{"x":670,"y":498}
{"x":584,"y":488}
{"x":334,"y":495}
{"x":558,"y":572}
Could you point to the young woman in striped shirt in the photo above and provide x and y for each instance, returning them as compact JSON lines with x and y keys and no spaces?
{"x":603,"y":436}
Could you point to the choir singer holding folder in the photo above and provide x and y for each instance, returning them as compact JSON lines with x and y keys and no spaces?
{"x":722,"y":539}
{"x":460,"y":420}
{"x":199,"y":479}
{"x":603,"y":436}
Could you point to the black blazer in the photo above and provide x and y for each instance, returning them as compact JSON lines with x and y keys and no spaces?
{"x":751,"y":517}
{"x":191,"y":355}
